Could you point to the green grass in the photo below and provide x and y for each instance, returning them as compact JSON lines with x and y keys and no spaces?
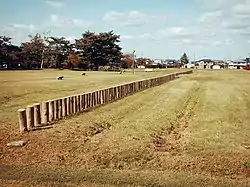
{"x":193,"y":131}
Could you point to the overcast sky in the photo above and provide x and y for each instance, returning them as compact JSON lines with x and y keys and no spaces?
{"x":217,"y":29}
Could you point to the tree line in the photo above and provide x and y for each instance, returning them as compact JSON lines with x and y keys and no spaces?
{"x":89,"y":52}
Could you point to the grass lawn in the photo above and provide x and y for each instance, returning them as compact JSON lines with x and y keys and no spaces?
{"x":193,"y":131}
{"x":21,"y":88}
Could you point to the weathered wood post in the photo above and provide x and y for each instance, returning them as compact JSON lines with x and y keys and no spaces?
{"x":109,"y":95}
{"x":68,"y":106}
{"x":22,"y":120}
{"x":112,"y":94}
{"x":123,"y":91}
{"x":80,"y":103}
{"x":89,"y":100}
{"x":101,"y":96}
{"x":64,"y":107}
{"x":45,"y":112}
{"x":78,"y":99}
{"x":56,"y":109}
{"x":119,"y":92}
{"x":60,"y":101}
{"x":30,"y":117}
{"x":106,"y":95}
{"x":94,"y":98}
{"x":72,"y":104}
{"x":37,"y":114}
{"x":51,"y":111}
{"x":75,"y":104}
{"x":84,"y":101}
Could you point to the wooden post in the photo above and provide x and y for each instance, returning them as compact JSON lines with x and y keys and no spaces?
{"x":92,"y":99}
{"x":106,"y":95}
{"x":119,"y":92}
{"x":60,"y":108}
{"x":96,"y":98}
{"x":99,"y":97}
{"x":72,"y":104}
{"x":80,"y":105}
{"x":45,"y":112}
{"x":56,"y":109}
{"x":37,"y":114}
{"x":51,"y":111}
{"x":123,"y":91}
{"x":30,"y":117}
{"x":75,"y":104}
{"x":110,"y":94}
{"x":68,"y":106}
{"x":64,"y":107}
{"x":84,"y":101}
{"x":22,"y":120}
{"x":89,"y":100}
{"x":115,"y":93}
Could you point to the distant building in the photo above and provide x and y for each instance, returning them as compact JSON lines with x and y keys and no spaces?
{"x":210,"y":64}
{"x":238,"y":64}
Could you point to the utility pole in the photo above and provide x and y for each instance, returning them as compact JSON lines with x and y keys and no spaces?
{"x":134,"y":62}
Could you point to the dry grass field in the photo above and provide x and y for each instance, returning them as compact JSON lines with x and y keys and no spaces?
{"x":193,"y":131}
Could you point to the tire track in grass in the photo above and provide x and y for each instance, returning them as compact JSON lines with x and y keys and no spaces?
{"x":173,"y":138}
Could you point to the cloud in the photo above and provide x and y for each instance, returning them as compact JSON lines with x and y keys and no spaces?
{"x":226,"y":42}
{"x":148,"y":36}
{"x":189,"y":36}
{"x":20,"y":32}
{"x":211,"y":17}
{"x":178,"y":32}
{"x":132,"y":18}
{"x":242,"y":9}
{"x":55,"y":3}
{"x":56,"y":21}
{"x":218,"y":4}
{"x":239,"y":20}
{"x":126,"y":37}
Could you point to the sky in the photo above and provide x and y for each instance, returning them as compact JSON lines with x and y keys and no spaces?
{"x":159,"y":29}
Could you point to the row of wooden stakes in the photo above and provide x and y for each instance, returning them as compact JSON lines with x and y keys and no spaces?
{"x":41,"y":114}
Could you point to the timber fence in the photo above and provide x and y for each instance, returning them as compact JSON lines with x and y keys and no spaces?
{"x":47,"y":112}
